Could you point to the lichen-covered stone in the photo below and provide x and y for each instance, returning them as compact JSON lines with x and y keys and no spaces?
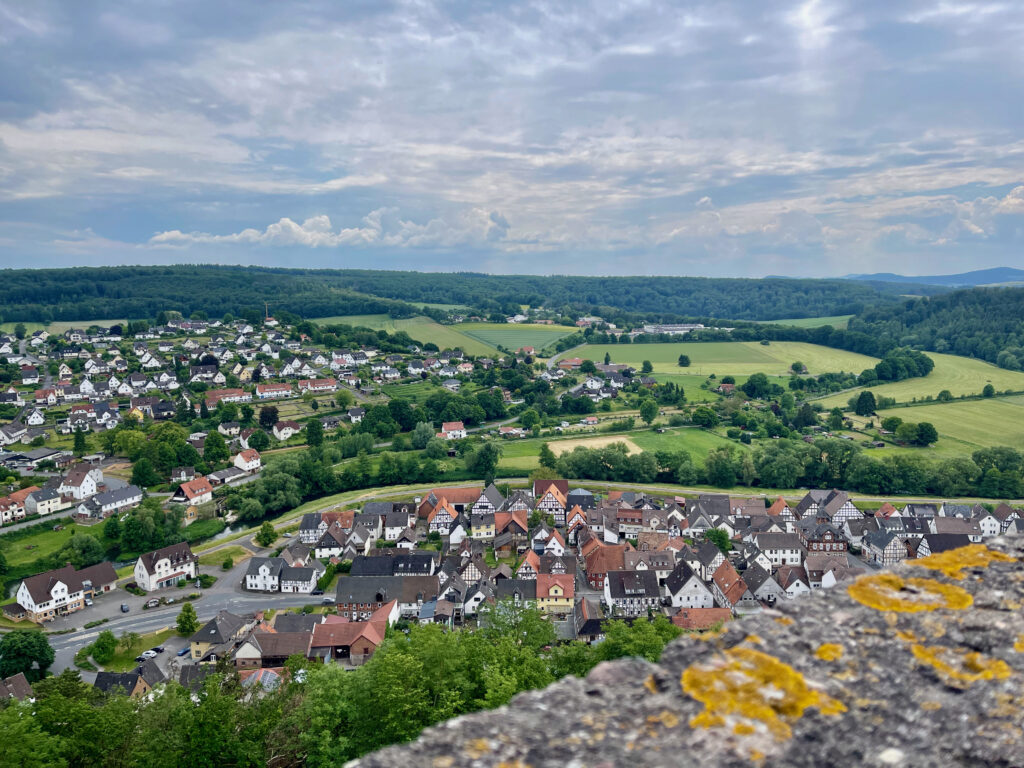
{"x":824,"y":680}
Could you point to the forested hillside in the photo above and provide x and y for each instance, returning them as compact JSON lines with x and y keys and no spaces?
{"x":986,"y":323}
{"x":137,"y":292}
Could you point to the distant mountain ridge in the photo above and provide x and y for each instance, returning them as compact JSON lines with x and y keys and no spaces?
{"x":978,"y":277}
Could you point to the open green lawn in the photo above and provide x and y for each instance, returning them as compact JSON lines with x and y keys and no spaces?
{"x":960,"y":375}
{"x":730,"y":357}
{"x":836,"y":321}
{"x":416,"y":392}
{"x":522,"y":454}
{"x":966,"y":426}
{"x":124,"y":659}
{"x":423,"y":329}
{"x":514,"y":336}
{"x":44,"y":543}
{"x":236,"y":553}
{"x":59,"y":326}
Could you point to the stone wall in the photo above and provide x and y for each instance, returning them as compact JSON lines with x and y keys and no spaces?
{"x":921,"y":666}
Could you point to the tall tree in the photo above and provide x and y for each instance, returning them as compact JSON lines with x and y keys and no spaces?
{"x":188,"y":622}
{"x":314,"y":433}
{"x":866,"y":404}
{"x":25,"y":650}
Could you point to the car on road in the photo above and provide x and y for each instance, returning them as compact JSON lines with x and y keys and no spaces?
{"x":157,"y":649}
{"x":327,"y":601}
{"x":288,"y":535}
{"x":148,"y":654}
{"x":317,"y":592}
{"x":183,"y":652}
{"x":170,"y":600}
{"x":152,"y":603}
{"x":124,"y":608}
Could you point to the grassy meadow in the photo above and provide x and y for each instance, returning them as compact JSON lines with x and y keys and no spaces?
{"x":960,"y":375}
{"x":513,"y":337}
{"x":966,"y":426}
{"x":836,"y":321}
{"x":423,"y":329}
{"x":736,"y":358}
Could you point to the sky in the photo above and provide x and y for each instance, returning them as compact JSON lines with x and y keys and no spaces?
{"x":815,"y":138}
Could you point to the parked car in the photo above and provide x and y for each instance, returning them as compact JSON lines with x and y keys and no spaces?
{"x":148,"y":654}
{"x":88,"y":601}
{"x":317,"y":592}
{"x":184,"y":651}
{"x":169,"y":600}
{"x":157,"y":649}
{"x":124,"y":608}
{"x":152,"y":603}
{"x":327,"y":601}
{"x":139,"y":659}
{"x":288,"y":535}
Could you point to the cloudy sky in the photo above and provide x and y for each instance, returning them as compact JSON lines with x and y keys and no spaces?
{"x":810,"y":138}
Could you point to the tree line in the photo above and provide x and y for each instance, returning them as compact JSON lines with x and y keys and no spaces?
{"x":322,"y":714}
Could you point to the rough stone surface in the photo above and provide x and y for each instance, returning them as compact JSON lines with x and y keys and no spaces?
{"x":823,"y":680}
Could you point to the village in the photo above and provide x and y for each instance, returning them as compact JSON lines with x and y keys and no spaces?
{"x":100,"y":440}
{"x":580,"y":558}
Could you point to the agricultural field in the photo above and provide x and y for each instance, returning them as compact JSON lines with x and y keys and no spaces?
{"x":59,"y":326}
{"x":736,"y":358}
{"x":960,"y":375}
{"x":514,"y":336}
{"x":966,"y":426}
{"x":523,"y":454}
{"x":417,"y":392}
{"x":423,"y":329}
{"x":559,"y":447}
{"x":836,"y":321}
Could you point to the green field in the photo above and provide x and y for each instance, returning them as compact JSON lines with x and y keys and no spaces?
{"x":416,"y":392}
{"x":522,"y":454}
{"x":512,"y":337}
{"x":423,"y":329}
{"x":966,"y":426}
{"x":960,"y":375}
{"x":737,"y":358}
{"x":44,"y":543}
{"x":59,"y":326}
{"x":836,"y":321}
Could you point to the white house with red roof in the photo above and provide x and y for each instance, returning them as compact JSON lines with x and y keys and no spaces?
{"x":269,"y":391}
{"x":197,"y":491}
{"x":453,"y":430}
{"x":248,"y":460}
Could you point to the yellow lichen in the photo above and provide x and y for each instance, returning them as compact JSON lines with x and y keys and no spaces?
{"x":445,"y":761}
{"x":750,"y":687}
{"x":650,"y":684}
{"x":954,"y":561}
{"x":784,"y":621}
{"x":1018,"y":646}
{"x":889,"y":592}
{"x":756,"y":755}
{"x":960,"y":667}
{"x":753,"y":640}
{"x":931,"y":706}
{"x":512,"y":764}
{"x":743,"y":729}
{"x":907,"y":636}
{"x":666,"y":718}
{"x":477,"y":748}
{"x":829,"y":652}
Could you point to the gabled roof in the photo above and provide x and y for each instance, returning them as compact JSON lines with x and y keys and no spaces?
{"x":220,"y":628}
{"x":178,"y":554}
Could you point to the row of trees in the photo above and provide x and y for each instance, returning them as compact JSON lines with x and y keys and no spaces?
{"x":334,"y":715}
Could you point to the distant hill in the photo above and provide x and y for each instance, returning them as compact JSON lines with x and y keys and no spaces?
{"x":978,"y":277}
